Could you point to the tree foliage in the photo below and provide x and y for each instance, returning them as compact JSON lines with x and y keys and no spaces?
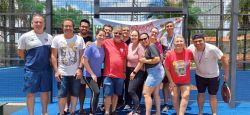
{"x":193,"y":20}
{"x":4,"y":6}
{"x":29,"y":6}
{"x":67,"y":12}
{"x":244,"y":8}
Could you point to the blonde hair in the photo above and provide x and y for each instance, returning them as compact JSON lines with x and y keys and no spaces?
{"x":181,"y":37}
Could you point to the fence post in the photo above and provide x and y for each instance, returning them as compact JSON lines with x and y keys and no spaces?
{"x":48,"y":26}
{"x":233,"y":48}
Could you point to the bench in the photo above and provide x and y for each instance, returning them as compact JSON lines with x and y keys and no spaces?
{"x":1,"y":107}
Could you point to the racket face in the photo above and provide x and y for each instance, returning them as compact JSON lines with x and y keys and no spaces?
{"x":225,"y":93}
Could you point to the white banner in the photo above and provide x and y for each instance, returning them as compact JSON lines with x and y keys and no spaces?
{"x":142,"y":26}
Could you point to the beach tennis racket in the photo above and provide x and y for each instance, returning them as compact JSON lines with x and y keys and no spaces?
{"x":225,"y":92}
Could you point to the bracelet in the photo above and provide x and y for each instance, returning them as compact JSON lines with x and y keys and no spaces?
{"x":79,"y":68}
{"x":134,"y":72}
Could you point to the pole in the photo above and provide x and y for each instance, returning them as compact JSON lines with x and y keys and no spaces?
{"x":233,"y":49}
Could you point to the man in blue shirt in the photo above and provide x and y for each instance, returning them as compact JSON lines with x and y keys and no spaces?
{"x":34,"y":48}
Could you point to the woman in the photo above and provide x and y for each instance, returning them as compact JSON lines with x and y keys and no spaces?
{"x":135,"y":71}
{"x":155,"y":71}
{"x":177,"y":66}
{"x":92,"y":59}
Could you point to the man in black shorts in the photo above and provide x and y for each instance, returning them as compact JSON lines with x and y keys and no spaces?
{"x":206,"y":57}
{"x":167,"y":44}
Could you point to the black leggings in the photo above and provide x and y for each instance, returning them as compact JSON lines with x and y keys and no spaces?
{"x":95,"y":89}
{"x":135,"y":88}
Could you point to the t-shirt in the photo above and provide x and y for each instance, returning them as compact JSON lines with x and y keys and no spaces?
{"x":128,"y":41}
{"x":88,"y":39}
{"x":134,"y":55}
{"x":207,"y":61}
{"x":179,"y":66}
{"x":37,"y":50}
{"x":167,"y":43}
{"x":68,"y":53}
{"x":151,"y":52}
{"x":115,"y":56}
{"x":95,"y":56}
{"x":159,"y":47}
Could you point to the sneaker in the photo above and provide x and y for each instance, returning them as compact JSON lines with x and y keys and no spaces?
{"x":100,"y":108}
{"x":44,"y":114}
{"x":61,"y":114}
{"x":82,"y":112}
{"x":127,"y":107}
{"x":136,"y":113}
{"x":113,"y":113}
{"x":130,"y":113}
{"x":165,"y":108}
{"x":119,"y":106}
{"x":133,"y":113}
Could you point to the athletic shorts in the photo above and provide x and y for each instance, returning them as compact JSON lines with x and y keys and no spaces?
{"x":211,"y":83}
{"x":179,"y":85}
{"x":112,"y":86}
{"x":39,"y":81}
{"x":68,"y":85}
{"x":165,"y":79}
{"x":155,"y":75}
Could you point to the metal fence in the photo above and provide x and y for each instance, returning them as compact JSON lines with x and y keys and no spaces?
{"x":210,"y":17}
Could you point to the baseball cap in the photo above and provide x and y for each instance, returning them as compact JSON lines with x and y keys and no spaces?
{"x":196,"y":36}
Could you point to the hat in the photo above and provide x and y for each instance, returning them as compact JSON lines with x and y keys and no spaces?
{"x":196,"y":36}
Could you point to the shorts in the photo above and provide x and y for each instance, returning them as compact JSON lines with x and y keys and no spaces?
{"x":155,"y":75}
{"x":211,"y":83}
{"x":68,"y":85}
{"x":39,"y":81}
{"x":165,"y":79}
{"x":179,"y":85}
{"x":112,"y":86}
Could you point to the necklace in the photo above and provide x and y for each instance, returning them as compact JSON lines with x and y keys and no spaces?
{"x":200,"y":56}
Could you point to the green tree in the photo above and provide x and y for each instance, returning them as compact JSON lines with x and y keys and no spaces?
{"x":193,"y":13}
{"x":244,"y":20}
{"x":29,"y":6}
{"x":67,"y":12}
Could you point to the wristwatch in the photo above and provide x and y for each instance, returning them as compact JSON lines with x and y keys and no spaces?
{"x":79,"y":68}
{"x":134,"y":72}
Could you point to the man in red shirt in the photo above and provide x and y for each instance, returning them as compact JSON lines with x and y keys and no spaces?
{"x":114,"y":69}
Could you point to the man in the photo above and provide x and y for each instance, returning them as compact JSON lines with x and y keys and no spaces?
{"x":66,"y":54}
{"x":84,"y":33}
{"x":126,"y":35}
{"x":206,"y":58}
{"x":108,"y":35}
{"x":167,"y":43}
{"x":108,"y":31}
{"x":114,"y":70}
{"x":34,"y":48}
{"x":125,"y":94}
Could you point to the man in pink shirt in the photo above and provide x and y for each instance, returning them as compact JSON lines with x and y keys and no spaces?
{"x":114,"y":69}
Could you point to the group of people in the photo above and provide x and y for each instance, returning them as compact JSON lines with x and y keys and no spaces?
{"x":127,"y":63}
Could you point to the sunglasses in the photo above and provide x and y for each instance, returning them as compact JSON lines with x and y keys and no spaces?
{"x":118,"y":33}
{"x":169,"y":26}
{"x":142,"y":39}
